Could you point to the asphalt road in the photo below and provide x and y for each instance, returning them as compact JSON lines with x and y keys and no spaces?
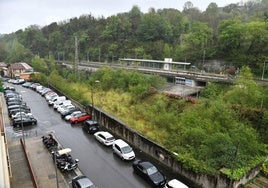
{"x":96,"y":161}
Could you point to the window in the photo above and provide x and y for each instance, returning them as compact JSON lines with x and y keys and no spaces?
{"x":118,"y":148}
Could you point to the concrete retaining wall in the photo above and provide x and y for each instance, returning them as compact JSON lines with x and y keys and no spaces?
{"x":168,"y":159}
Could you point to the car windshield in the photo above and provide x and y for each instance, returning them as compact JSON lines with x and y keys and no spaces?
{"x":110,"y":138}
{"x":151,"y":170}
{"x":92,"y":186}
{"x":126,"y":149}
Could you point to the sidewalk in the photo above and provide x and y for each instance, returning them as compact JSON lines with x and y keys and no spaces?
{"x":42,"y":165}
{"x":40,"y":159}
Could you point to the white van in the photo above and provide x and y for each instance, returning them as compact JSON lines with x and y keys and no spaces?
{"x":123,"y":150}
{"x":39,"y":88}
{"x":62,"y":103}
{"x":59,"y":98}
{"x":175,"y":184}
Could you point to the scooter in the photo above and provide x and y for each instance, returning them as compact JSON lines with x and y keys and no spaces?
{"x":46,"y":138}
{"x":64,"y":160}
{"x":68,"y":166}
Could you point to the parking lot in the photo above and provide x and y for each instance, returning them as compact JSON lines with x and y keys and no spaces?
{"x":95,"y":160}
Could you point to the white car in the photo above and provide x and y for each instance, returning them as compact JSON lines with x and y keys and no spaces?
{"x":123,"y":150}
{"x":51,"y":96}
{"x":67,"y":118}
{"x":105,"y":138}
{"x":64,"y":107}
{"x":23,"y":114}
{"x":175,"y":184}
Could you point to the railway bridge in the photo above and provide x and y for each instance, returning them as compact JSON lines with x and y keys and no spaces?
{"x":178,"y":73}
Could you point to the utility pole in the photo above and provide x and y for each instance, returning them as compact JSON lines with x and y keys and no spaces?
{"x":262,"y":76}
{"x":76,"y":57}
{"x":99,"y":54}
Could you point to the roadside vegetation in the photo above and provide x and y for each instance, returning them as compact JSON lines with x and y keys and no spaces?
{"x":225,"y":129}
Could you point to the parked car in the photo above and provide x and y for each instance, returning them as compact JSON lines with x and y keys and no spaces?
{"x":9,"y":88}
{"x":175,"y":184}
{"x":65,"y":107}
{"x":24,"y":121}
{"x":58,"y":99}
{"x":44,"y":91}
{"x":68,"y":117}
{"x":104,"y":137}
{"x":19,"y":81}
{"x":8,"y":91}
{"x":68,"y":111}
{"x":62,"y":104}
{"x":19,"y":102}
{"x":34,"y":85}
{"x":14,"y":111}
{"x":123,"y":150}
{"x":90,"y":126}
{"x":23,"y":114}
{"x":13,"y":99}
{"x":17,"y":108}
{"x":82,"y":181}
{"x":11,"y":107}
{"x":27,"y":84}
{"x":12,"y":94}
{"x":80,"y":117}
{"x":39,"y":88}
{"x":149,"y":172}
{"x":49,"y":95}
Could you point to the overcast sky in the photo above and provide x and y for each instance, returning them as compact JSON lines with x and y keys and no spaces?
{"x":19,"y":14}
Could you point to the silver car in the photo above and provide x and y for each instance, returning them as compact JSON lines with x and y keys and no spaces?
{"x":82,"y":182}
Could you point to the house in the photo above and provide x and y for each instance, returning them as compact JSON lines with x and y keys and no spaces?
{"x":20,"y":70}
{"x":3,"y":69}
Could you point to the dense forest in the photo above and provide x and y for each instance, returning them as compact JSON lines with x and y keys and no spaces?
{"x":236,"y":33}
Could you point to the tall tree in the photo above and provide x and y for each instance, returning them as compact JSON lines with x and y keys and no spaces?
{"x":246,"y":92}
{"x":153,"y":27}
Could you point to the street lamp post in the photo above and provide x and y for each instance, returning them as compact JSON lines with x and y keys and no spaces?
{"x":92,"y":103}
{"x":262,"y":76}
{"x":263,"y":69}
{"x":22,"y":127}
{"x":56,"y":171}
{"x":92,"y":100}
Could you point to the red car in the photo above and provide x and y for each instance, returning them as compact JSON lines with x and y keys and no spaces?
{"x":80,"y":117}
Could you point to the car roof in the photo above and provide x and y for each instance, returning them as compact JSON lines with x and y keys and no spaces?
{"x":146,"y":164}
{"x":83,"y":181}
{"x":177,"y":184}
{"x":120,"y":143}
{"x":91,"y":122}
{"x":105,"y":133}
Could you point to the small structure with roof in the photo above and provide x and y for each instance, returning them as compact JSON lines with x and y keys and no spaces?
{"x":3,"y":68}
{"x":20,"y":70}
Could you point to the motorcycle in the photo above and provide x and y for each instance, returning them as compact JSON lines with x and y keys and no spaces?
{"x":68,"y":165}
{"x":46,"y":139}
{"x":51,"y":144}
{"x":64,"y":160}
